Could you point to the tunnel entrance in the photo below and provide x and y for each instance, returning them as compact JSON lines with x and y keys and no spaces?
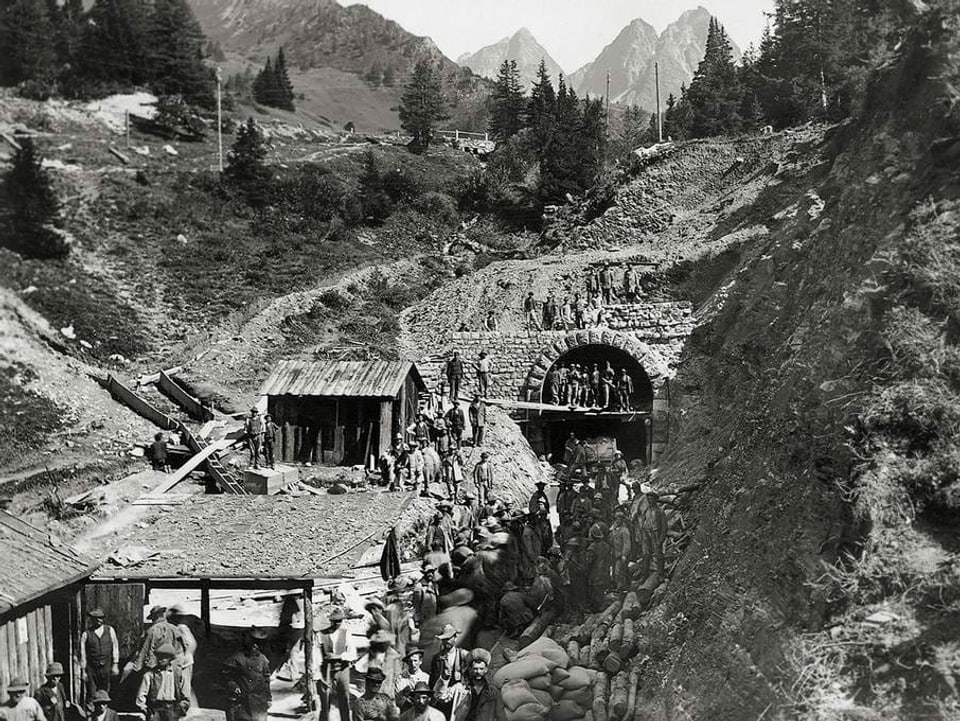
{"x":594,"y":414}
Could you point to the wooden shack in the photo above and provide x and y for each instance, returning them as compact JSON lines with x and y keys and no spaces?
{"x":40,"y":582}
{"x":340,"y":412}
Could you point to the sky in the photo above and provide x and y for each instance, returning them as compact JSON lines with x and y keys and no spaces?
{"x":572,"y":31}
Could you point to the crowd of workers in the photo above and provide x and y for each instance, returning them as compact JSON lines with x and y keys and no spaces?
{"x":605,"y":286}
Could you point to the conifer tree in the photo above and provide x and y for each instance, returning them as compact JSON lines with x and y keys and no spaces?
{"x":715,"y":96}
{"x":422,"y":105}
{"x":245,"y":163}
{"x":26,"y":51}
{"x":34,"y":205}
{"x":263,"y":84}
{"x":115,"y":44}
{"x":506,"y":116}
{"x":284,"y":88}
{"x":176,"y":53}
{"x":542,"y":108}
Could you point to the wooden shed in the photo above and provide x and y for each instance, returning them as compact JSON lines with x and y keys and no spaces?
{"x":40,"y":582}
{"x":340,"y":412}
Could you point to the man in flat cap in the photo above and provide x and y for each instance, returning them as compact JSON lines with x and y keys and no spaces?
{"x":163,"y":695}
{"x":99,"y":653}
{"x":247,"y":675}
{"x":19,"y":706}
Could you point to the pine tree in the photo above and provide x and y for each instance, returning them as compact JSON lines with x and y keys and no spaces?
{"x":34,"y":205}
{"x":422,"y":105}
{"x":245,"y":163}
{"x":263,"y":84}
{"x":592,"y":143}
{"x":507,"y":101}
{"x":26,"y":51}
{"x":715,"y":96}
{"x":375,"y":203}
{"x":115,"y":44}
{"x":542,"y":109}
{"x":284,"y":88}
{"x":560,"y":171}
{"x":176,"y":53}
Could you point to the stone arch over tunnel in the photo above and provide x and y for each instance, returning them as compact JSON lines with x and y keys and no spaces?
{"x":633,"y":431}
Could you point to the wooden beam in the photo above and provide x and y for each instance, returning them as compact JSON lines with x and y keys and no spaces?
{"x":205,"y":606}
{"x":184,"y":470}
{"x":308,"y":646}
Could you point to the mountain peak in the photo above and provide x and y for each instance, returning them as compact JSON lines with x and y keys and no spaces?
{"x":521,"y":47}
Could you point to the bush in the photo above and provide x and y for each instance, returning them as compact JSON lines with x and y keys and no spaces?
{"x":439,"y":207}
{"x":35,"y":207}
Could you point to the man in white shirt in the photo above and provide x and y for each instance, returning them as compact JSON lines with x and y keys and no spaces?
{"x":163,"y":695}
{"x":413,"y":674}
{"x":99,"y":653}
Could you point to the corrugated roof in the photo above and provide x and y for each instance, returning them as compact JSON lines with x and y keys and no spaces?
{"x":379,"y":379}
{"x":31,"y":564}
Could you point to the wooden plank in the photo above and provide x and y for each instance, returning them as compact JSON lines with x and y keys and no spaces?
{"x":5,"y":675}
{"x":191,"y":465}
{"x":123,"y":604}
{"x":14,"y":144}
{"x":141,"y":407}
{"x":308,"y":643}
{"x":33,"y":650}
{"x":23,"y":654}
{"x":178,"y":394}
{"x":123,"y":158}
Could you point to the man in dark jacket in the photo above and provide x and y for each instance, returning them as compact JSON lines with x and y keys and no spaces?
{"x":247,"y":675}
{"x":478,"y":420}
{"x":454,"y":375}
{"x":456,"y":422}
{"x":484,"y":702}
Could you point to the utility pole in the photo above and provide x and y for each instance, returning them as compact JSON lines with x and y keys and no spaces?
{"x":608,"y":102}
{"x":219,"y":120}
{"x":656,"y":72}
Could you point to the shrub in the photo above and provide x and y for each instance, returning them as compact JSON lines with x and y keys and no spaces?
{"x":35,"y":207}
{"x":439,"y":207}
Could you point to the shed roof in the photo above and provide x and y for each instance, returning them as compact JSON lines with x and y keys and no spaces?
{"x":378,"y":379}
{"x":33,"y":564}
{"x":223,"y":536}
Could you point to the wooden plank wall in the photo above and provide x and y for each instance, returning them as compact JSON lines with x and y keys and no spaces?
{"x":139,"y":405}
{"x":26,"y":648}
{"x":175,"y":392}
{"x":123,"y":605}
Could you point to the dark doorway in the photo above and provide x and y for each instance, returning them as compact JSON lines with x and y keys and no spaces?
{"x":631,"y":436}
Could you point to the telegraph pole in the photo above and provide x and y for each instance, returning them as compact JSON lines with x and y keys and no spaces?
{"x":608,"y":102}
{"x":656,"y":72}
{"x":219,"y":120}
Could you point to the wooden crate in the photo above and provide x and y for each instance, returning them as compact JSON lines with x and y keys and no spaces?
{"x":268,"y":481}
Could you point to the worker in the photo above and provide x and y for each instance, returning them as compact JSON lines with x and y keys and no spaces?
{"x":569,"y":448}
{"x":452,"y":465}
{"x":374,"y":704}
{"x":566,"y":314}
{"x":413,"y":673}
{"x":608,"y":387}
{"x":270,"y":431}
{"x":579,"y":312}
{"x":253,"y":430}
{"x":163,"y":695}
{"x":416,"y":464}
{"x":161,"y":632}
{"x":621,"y":544}
{"x":483,"y":703}
{"x":551,"y":386}
{"x":19,"y":706}
{"x":620,"y":470}
{"x":382,"y":655}
{"x":478,"y":420}
{"x":530,"y":319}
{"x":538,"y":499}
{"x":448,"y":669}
{"x":599,"y":561}
{"x":178,"y":619}
{"x":631,"y":283}
{"x":158,"y":453}
{"x":51,"y":696}
{"x":99,"y":653}
{"x":624,"y":390}
{"x":424,"y":596}
{"x":421,"y":429}
{"x":484,"y":368}
{"x":456,"y":422}
{"x":432,"y":466}
{"x":419,"y":697}
{"x":531,"y":547}
{"x":336,"y":651}
{"x":565,"y":500}
{"x":606,"y":284}
{"x":100,"y":708}
{"x":454,"y":373}
{"x":483,"y":476}
{"x":247,"y":676}
{"x":650,"y":525}
{"x":550,"y":311}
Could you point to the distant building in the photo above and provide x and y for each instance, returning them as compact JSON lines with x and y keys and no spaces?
{"x":40,"y":605}
{"x":340,"y":412}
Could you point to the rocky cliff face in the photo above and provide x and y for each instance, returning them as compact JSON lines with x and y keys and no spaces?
{"x":631,"y":58}
{"x":626,"y":59}
{"x":521,"y":47}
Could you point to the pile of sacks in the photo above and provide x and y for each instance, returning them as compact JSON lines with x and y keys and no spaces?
{"x":539,"y":683}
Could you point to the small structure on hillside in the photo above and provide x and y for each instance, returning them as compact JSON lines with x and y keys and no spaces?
{"x":340,"y":412}
{"x":40,"y":618}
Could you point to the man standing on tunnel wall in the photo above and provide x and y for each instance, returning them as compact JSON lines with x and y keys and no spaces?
{"x":454,"y":372}
{"x":606,"y":284}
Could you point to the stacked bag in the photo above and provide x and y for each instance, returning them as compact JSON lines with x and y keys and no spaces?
{"x":539,"y":684}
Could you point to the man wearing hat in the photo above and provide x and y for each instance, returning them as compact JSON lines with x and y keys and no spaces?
{"x":599,"y":559}
{"x":160,"y":633}
{"x":478,"y":420}
{"x":413,"y":673}
{"x":448,"y":670}
{"x":247,"y":676}
{"x":51,"y":696}
{"x":100,"y":709}
{"x":432,"y":466}
{"x":420,"y":709}
{"x":19,"y":706}
{"x":384,"y":656}
{"x":253,"y":430}
{"x":336,"y":650}
{"x":374,"y":704}
{"x":650,"y":528}
{"x":538,"y":500}
{"x":483,"y":476}
{"x":621,"y":542}
{"x":99,"y":653}
{"x":468,"y":513}
{"x":483,"y":703}
{"x":565,"y":500}
{"x":581,"y":509}
{"x":163,"y":695}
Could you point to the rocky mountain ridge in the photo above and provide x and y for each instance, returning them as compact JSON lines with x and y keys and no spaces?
{"x":522,"y":47}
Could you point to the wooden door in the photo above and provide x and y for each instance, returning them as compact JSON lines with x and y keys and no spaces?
{"x":122,"y":604}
